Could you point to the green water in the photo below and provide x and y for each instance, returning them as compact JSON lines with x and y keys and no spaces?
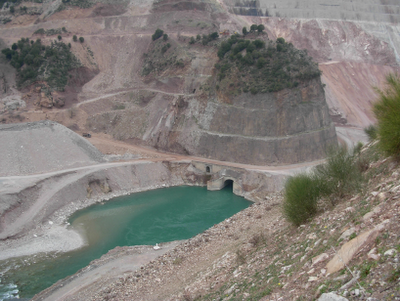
{"x":139,"y":219}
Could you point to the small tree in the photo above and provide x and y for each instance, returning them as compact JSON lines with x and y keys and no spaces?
{"x":192,"y":41}
{"x":165,"y":37}
{"x":244,"y":31}
{"x":214,"y":36}
{"x":157,"y":34}
{"x":253,"y":28}
{"x":81,"y":39}
{"x":75,"y":38}
{"x":280,"y":41}
{"x":12,"y":9}
{"x":59,"y":37}
{"x":260,"y":28}
{"x":198,"y":37}
{"x":14,"y":46}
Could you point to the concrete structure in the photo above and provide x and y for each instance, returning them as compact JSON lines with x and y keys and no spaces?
{"x":225,"y":177}
{"x":244,"y":181}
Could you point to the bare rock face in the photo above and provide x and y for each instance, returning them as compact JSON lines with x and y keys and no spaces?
{"x":289,"y":126}
{"x":285,"y":127}
{"x":58,"y":101}
{"x":45,"y":101}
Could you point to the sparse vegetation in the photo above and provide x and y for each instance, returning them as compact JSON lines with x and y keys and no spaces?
{"x":205,"y":39}
{"x":338,"y":177}
{"x":79,"y":3}
{"x":161,"y":56}
{"x":50,"y":32}
{"x":35,"y":61}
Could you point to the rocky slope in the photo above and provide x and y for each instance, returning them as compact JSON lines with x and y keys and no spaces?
{"x":351,"y":249}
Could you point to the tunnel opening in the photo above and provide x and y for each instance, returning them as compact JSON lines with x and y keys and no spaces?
{"x":208,"y":169}
{"x":228,"y":184}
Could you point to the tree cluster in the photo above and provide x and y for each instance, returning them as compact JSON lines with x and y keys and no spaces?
{"x":205,"y":39}
{"x":253,"y":28}
{"x":258,"y":66}
{"x":35,"y":61}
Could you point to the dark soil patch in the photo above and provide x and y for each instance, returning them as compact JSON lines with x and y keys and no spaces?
{"x":106,"y":10}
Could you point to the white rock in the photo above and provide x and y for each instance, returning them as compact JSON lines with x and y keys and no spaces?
{"x":331,"y":297}
{"x":312,"y":279}
{"x":347,"y":233}
{"x":50,"y":222}
{"x":372,"y":255}
{"x":311,"y":271}
{"x":350,"y":209}
{"x":312,"y":236}
{"x":382,"y":225}
{"x":319,"y":258}
{"x":390,"y":252}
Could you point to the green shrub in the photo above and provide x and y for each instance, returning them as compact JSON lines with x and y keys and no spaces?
{"x":300,"y":198}
{"x":74,"y":38}
{"x":40,"y":31}
{"x":387,"y":113}
{"x":81,"y":39}
{"x":340,"y":174}
{"x":371,"y":132}
{"x":157,"y":34}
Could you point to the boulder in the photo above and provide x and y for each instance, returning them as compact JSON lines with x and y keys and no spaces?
{"x":351,"y":248}
{"x":58,"y":101}
{"x":319,"y":258}
{"x":45,"y":101}
{"x":331,"y":297}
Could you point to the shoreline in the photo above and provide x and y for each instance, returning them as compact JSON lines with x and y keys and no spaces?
{"x":54,"y":236}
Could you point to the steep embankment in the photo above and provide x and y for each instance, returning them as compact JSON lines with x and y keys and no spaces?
{"x":257,"y":255}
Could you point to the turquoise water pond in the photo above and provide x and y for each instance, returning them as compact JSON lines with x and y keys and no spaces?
{"x":143,"y":218}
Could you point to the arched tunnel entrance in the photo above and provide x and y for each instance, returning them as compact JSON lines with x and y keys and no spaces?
{"x":228,"y":184}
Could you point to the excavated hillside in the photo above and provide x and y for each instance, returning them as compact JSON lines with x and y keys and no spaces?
{"x":172,"y":104}
{"x":167,"y":97}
